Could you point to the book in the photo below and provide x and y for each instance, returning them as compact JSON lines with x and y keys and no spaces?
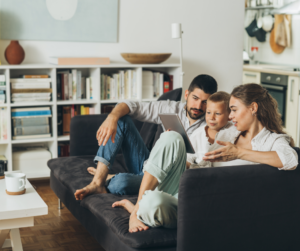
{"x":35,"y":121}
{"x":31,"y":136}
{"x":59,"y":121}
{"x":30,"y":80}
{"x":91,"y":88}
{"x":30,"y":85}
{"x":2,"y":80}
{"x":88,"y":88}
{"x":30,"y":112}
{"x":79,"y":61}
{"x":78,"y":85}
{"x":31,"y":130}
{"x":3,"y":162}
{"x":74,"y":84}
{"x":3,"y":121}
{"x":66,"y":85}
{"x":166,"y":86}
{"x":46,"y":90}
{"x":102,"y":87}
{"x":34,"y":76}
{"x":91,"y":110}
{"x":70,"y":80}
{"x":107,"y":108}
{"x":31,"y":95}
{"x":82,"y":110}
{"x":36,"y":99}
{"x":66,"y":120}
{"x":171,"y":82}
{"x":83,"y":88}
{"x":30,"y":109}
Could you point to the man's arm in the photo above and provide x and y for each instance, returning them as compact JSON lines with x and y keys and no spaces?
{"x":142,"y":111}
{"x":109,"y":126}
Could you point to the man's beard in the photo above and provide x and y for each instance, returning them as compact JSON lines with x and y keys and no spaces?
{"x":195,"y":116}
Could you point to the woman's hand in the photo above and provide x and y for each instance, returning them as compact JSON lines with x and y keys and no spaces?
{"x":226,"y":153}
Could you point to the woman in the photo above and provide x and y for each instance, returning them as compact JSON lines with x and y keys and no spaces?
{"x":262,"y":140}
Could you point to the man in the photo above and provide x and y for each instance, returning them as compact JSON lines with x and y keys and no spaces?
{"x":118,"y":131}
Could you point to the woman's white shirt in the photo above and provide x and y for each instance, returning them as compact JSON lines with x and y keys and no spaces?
{"x":264,"y":141}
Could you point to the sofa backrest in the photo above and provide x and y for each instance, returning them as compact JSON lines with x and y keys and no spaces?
{"x":250,"y":207}
{"x":84,"y":128}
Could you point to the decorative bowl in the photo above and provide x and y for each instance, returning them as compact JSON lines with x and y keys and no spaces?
{"x":145,"y":58}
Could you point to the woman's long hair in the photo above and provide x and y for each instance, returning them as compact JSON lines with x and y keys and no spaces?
{"x":267,"y":112}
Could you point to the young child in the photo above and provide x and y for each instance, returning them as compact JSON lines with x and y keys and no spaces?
{"x":218,"y":127}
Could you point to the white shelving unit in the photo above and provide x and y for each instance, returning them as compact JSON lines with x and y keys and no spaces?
{"x":93,"y":71}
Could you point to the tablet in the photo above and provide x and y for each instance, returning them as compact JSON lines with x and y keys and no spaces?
{"x":172,"y":121}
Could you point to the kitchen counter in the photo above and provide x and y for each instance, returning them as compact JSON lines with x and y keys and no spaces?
{"x":274,"y":69}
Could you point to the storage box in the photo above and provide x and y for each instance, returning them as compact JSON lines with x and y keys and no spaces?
{"x":32,"y":162}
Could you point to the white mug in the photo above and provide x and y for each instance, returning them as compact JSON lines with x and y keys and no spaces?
{"x":15,"y":182}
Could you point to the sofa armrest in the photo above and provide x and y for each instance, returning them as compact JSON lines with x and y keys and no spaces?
{"x":83,"y":134}
{"x":254,"y":207}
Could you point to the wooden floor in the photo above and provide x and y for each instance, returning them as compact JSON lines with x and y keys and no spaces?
{"x":59,"y":230}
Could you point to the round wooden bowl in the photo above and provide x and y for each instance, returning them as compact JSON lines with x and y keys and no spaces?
{"x":145,"y":58}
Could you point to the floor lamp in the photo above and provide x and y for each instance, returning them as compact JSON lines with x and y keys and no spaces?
{"x":177,"y":34}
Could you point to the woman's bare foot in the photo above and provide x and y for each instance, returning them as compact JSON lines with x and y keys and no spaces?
{"x":126,"y":204}
{"x":89,"y":189}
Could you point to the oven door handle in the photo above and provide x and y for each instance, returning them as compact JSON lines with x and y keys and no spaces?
{"x":278,"y":88}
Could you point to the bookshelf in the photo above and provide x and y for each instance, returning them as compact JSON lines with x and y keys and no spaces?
{"x":93,"y":71}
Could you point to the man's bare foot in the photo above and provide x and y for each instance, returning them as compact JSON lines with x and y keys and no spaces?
{"x":92,"y":171}
{"x":89,"y":189}
{"x":135,"y":224}
{"x":126,"y":204}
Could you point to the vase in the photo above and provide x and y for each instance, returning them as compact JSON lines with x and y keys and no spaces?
{"x":14,"y":53}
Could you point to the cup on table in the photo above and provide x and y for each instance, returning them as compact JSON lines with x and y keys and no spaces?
{"x":15,"y":182}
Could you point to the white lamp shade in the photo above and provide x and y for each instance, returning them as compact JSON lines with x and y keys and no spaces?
{"x":289,"y":9}
{"x":176,"y":30}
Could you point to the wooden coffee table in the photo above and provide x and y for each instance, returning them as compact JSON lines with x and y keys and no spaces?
{"x":17,"y":211}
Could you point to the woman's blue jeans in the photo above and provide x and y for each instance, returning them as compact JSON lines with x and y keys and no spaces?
{"x":135,"y":152}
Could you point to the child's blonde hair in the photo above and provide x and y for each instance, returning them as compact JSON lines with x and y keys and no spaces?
{"x":221,"y":97}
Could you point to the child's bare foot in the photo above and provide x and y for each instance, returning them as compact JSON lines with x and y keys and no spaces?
{"x":126,"y":204}
{"x":89,"y":189}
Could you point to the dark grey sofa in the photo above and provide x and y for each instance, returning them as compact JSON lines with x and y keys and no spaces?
{"x":228,"y":208}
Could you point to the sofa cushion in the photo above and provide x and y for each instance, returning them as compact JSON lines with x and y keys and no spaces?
{"x":71,"y":171}
{"x":118,"y":220}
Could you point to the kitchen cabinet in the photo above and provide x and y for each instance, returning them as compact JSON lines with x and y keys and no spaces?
{"x":292,"y":107}
{"x":251,"y":77}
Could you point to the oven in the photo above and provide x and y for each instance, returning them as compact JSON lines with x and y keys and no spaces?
{"x":277,"y":88}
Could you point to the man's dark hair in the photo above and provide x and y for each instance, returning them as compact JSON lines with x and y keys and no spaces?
{"x":204,"y":82}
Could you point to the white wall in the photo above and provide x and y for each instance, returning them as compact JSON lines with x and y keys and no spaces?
{"x":212,"y":40}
